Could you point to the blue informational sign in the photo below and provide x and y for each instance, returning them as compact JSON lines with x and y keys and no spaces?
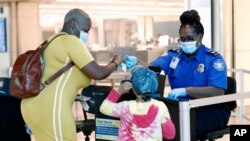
{"x":107,"y":129}
{"x":3,"y":45}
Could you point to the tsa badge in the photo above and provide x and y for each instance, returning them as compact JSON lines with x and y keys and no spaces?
{"x":219,"y":65}
{"x":201,"y":68}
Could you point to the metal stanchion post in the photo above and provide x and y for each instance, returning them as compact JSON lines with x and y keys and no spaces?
{"x":242,"y":112}
{"x":184,"y":121}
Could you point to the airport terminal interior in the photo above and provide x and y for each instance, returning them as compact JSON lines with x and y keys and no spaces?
{"x":142,"y":28}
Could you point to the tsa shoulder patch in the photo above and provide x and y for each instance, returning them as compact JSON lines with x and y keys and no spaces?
{"x":219,"y":64}
{"x":239,"y":132}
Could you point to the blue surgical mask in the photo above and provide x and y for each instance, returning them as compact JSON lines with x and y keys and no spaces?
{"x":188,"y":47}
{"x":84,"y":37}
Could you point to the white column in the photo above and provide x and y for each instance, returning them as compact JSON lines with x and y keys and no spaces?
{"x":217,"y":23}
{"x":100,"y":32}
{"x":184,"y":121}
{"x":149,"y":27}
{"x":28,"y":26}
{"x":13,"y":32}
{"x":141,"y":28}
{"x":122,"y":32}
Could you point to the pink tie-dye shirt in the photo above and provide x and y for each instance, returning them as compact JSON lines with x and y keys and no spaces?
{"x":148,"y":121}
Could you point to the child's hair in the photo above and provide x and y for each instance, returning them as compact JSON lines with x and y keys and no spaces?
{"x":144,"y":80}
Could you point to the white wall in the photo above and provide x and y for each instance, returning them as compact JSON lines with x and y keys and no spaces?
{"x":29,"y":35}
{"x":242,"y":38}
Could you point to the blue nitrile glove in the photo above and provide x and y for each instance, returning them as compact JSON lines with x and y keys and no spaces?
{"x":130,"y":61}
{"x":175,"y":94}
{"x":123,"y":67}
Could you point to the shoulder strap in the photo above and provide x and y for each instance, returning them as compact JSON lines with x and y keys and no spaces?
{"x":58,"y":73}
{"x":63,"y":69}
{"x":47,"y":41}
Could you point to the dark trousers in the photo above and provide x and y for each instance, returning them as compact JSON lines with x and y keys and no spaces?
{"x":12,"y":126}
{"x":210,"y":118}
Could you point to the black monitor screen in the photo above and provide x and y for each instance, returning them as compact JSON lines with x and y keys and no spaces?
{"x":3,"y":45}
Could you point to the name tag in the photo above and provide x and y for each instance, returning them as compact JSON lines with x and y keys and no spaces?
{"x":174,"y":62}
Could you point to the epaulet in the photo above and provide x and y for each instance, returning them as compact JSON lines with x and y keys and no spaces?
{"x":174,"y":50}
{"x":212,"y":52}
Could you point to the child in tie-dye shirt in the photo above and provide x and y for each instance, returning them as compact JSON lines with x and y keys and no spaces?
{"x":143,"y":119}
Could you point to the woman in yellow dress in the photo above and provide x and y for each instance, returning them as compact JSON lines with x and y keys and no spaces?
{"x":49,"y":115}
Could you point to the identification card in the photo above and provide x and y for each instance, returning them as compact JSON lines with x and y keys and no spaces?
{"x":174,"y":62}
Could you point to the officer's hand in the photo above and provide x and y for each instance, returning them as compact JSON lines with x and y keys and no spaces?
{"x":175,"y":94}
{"x":130,"y":61}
